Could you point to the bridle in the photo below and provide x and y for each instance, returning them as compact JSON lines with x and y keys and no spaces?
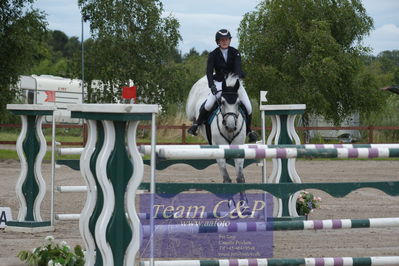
{"x":228,"y":114}
{"x":224,"y":116}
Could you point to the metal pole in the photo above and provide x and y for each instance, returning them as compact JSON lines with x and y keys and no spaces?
{"x":83,"y":63}
{"x":152,"y":186}
{"x":52,"y":170}
{"x":264,"y":176}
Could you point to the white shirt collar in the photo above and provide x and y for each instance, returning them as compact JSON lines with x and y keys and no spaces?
{"x":224,"y":53}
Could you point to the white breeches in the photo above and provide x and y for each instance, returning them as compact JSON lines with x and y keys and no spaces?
{"x":242,"y":95}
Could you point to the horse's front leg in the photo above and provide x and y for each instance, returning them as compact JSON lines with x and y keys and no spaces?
{"x":223,"y":170}
{"x":239,"y":166}
{"x":226,"y":179}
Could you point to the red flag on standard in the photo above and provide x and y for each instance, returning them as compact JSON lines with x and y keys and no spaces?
{"x":50,"y":96}
{"x":129,"y":92}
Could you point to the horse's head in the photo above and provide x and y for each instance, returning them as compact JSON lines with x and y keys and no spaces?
{"x":229,"y":102}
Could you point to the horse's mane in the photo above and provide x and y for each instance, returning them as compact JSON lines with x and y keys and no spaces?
{"x":230,"y":90}
{"x":231,"y":80}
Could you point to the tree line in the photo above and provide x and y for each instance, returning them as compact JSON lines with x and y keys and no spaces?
{"x":300,"y":51}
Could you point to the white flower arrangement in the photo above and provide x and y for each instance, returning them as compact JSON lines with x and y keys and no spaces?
{"x":53,"y":254}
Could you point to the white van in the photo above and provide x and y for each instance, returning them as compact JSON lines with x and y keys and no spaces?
{"x":40,"y":89}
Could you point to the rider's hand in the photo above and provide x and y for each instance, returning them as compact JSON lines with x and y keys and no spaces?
{"x":214,"y":90}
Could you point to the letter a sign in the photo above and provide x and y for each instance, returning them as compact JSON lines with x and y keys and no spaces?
{"x":5,"y":215}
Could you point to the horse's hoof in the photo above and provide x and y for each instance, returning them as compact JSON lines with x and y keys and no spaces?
{"x":193,"y":130}
{"x":240,"y":180}
{"x":252,"y":137}
{"x":227,"y":180}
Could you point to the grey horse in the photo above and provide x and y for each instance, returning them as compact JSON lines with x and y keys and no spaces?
{"x":228,"y":124}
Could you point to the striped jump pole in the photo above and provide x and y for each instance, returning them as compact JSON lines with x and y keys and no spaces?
{"x":284,"y":153}
{"x":69,"y":151}
{"x":67,"y":216}
{"x":191,"y":215}
{"x":163,"y":216}
{"x":284,"y":170}
{"x":146,"y":149}
{"x":338,"y":261}
{"x":224,"y":226}
{"x":71,"y":189}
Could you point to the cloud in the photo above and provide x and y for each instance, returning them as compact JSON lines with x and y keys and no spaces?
{"x":383,"y":38}
{"x":236,"y":7}
{"x":63,"y":15}
{"x":390,"y":31}
{"x":199,"y":20}
{"x":383,"y":11}
{"x":198,"y":30}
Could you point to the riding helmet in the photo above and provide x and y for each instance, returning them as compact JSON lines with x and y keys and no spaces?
{"x":223,"y":33}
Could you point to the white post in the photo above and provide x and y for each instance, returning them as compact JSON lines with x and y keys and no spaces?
{"x":152,"y":186}
{"x":264,"y":173}
{"x":52,"y":170}
{"x":263,"y":117}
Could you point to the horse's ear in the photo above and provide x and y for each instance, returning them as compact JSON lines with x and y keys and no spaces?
{"x":237,"y":85}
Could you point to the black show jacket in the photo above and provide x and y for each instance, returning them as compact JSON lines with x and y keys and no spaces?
{"x":217,"y":64}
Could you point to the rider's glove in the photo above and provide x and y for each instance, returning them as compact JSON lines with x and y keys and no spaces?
{"x":214,"y":90}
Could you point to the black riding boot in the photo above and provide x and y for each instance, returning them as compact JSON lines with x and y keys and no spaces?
{"x":203,"y":115}
{"x":252,"y":136}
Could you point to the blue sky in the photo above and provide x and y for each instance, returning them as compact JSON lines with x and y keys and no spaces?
{"x":199,"y":20}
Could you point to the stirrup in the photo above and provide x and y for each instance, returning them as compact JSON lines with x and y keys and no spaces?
{"x":252,"y":136}
{"x":193,"y":130}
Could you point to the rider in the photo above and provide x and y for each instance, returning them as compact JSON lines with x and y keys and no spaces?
{"x":223,"y":60}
